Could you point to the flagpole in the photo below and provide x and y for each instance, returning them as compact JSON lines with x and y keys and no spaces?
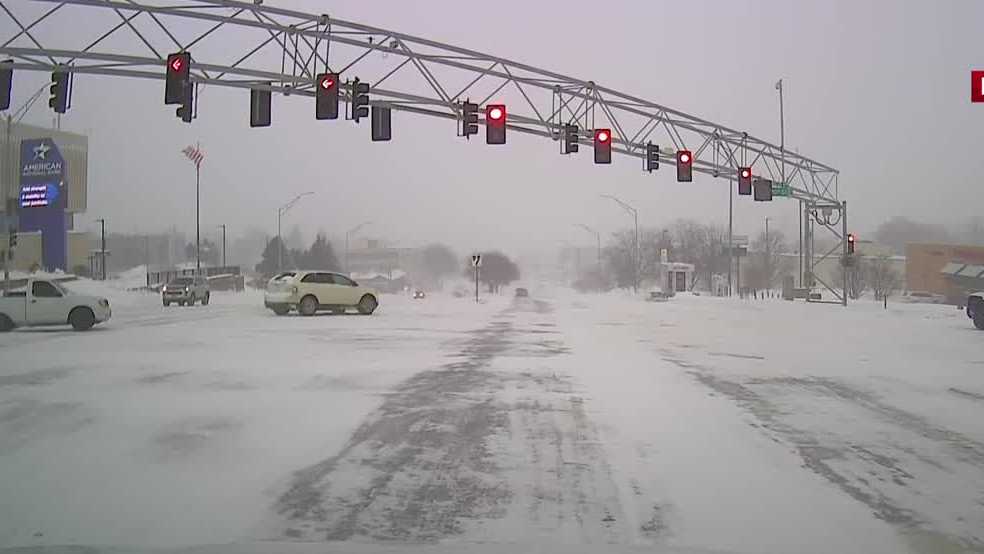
{"x":198,"y":221}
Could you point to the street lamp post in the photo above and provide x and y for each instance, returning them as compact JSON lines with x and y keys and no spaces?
{"x":280,"y":241}
{"x":598,"y":239}
{"x":635,"y":216}
{"x":347,"y":234}
{"x":102,"y":248}
{"x":768,"y":257}
{"x":223,"y":227}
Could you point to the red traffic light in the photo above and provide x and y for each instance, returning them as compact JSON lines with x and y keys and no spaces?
{"x":176,"y":64}
{"x":495,"y":124}
{"x":684,"y":156}
{"x":603,"y":135}
{"x":850,"y":237}
{"x":327,"y":82}
{"x":684,"y":166}
{"x":745,"y":173}
{"x":496,"y":113}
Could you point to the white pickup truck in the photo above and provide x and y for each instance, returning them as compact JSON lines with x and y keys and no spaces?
{"x":43,"y":302}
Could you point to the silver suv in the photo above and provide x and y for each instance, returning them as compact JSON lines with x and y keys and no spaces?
{"x":185,"y":291}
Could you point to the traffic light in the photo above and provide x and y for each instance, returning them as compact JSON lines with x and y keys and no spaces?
{"x":381,"y":124}
{"x":744,"y":181}
{"x":851,"y":240}
{"x":571,"y":138}
{"x":6,"y":80}
{"x":603,"y":146}
{"x":177,"y":76}
{"x":685,"y":166}
{"x":495,"y":124}
{"x":762,"y":189}
{"x":360,"y":99}
{"x":186,"y":110}
{"x":652,"y":157}
{"x":59,"y":91}
{"x":326,"y":96}
{"x":259,"y":108}
{"x":469,"y":120}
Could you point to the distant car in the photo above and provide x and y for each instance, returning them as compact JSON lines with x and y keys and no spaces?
{"x":975,"y":309}
{"x":920,"y":297}
{"x":45,"y":302}
{"x":418,"y":294}
{"x":522,"y":293}
{"x":311,"y":291}
{"x":659,"y":296}
{"x":185,"y":291}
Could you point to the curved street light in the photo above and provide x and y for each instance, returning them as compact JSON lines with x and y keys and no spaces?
{"x":280,"y":213}
{"x":635,"y":216}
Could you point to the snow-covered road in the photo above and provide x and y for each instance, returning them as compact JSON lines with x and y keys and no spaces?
{"x":558,"y":421}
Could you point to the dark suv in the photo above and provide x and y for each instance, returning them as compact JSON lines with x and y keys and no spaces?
{"x":975,"y":309}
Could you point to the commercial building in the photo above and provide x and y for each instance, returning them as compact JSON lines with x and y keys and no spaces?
{"x":946,"y":269}
{"x":43,"y":185}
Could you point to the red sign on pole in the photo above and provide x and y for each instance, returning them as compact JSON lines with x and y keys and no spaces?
{"x":977,"y":86}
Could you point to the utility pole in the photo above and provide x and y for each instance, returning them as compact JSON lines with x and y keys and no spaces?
{"x":223,"y":227}
{"x":782,"y":135}
{"x":102,"y":248}
{"x":635,"y":217}
{"x":198,"y":219}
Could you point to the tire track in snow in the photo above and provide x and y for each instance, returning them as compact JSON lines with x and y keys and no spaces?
{"x":464,"y":450}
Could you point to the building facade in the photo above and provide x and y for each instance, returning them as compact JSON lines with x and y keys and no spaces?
{"x":925,"y":264}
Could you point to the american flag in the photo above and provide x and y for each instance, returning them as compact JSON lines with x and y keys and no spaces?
{"x":195,"y":154}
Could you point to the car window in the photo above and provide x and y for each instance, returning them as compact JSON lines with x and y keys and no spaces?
{"x":285,"y":275}
{"x":44,"y":289}
{"x":342,"y":280}
{"x":181,"y":281}
{"x":319,"y":278}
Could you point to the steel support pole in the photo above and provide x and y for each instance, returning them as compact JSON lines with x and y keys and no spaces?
{"x":768,"y":259}
{"x":800,"y":252}
{"x":280,"y":243}
{"x":198,"y":219}
{"x":844,"y":247}
{"x":731,"y":257}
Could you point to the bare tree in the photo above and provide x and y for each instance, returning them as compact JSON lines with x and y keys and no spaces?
{"x":765,"y":266}
{"x":883,"y":278}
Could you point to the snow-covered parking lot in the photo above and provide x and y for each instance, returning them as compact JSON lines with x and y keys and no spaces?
{"x":562,"y":420}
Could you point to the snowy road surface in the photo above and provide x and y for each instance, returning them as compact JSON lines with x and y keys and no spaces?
{"x":556,"y":422}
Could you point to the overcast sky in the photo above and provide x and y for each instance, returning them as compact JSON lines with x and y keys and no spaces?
{"x":879,"y":90}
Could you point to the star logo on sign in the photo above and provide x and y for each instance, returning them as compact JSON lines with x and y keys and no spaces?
{"x":41,"y":151}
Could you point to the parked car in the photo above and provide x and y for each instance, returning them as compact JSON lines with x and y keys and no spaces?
{"x":311,"y":291}
{"x":44,"y":302}
{"x":975,"y":309}
{"x":522,"y":293}
{"x":418,"y":294}
{"x":185,"y":291}
{"x":921,"y":297}
{"x":659,"y":296}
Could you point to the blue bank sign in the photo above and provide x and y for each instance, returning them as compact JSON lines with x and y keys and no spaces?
{"x":43,"y":199}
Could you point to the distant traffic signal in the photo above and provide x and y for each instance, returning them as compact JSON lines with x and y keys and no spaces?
{"x":495,"y":124}
{"x":59,"y":91}
{"x":186,"y":110}
{"x":603,"y":146}
{"x":360,"y":99}
{"x":177,"y":75}
{"x":685,"y":166}
{"x":469,"y":119}
{"x":851,"y":240}
{"x":744,"y":181}
{"x":326,"y":96}
{"x":571,"y":138}
{"x":762,"y":189}
{"x":6,"y":80}
{"x":652,"y":157}
{"x":382,"y":129}
{"x":259,"y":108}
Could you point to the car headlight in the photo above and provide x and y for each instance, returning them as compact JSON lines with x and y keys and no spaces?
{"x":164,"y":288}
{"x":186,"y":289}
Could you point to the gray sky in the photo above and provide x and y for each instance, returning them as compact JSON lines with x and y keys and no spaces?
{"x":879,"y":90}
